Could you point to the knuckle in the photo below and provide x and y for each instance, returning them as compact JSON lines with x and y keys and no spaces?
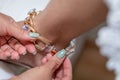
{"x":52,"y":65}
{"x":56,"y":61}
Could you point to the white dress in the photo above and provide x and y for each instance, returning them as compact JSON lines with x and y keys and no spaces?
{"x":109,"y":37}
{"x":18,"y":9}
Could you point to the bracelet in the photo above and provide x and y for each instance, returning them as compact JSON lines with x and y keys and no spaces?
{"x":29,"y":26}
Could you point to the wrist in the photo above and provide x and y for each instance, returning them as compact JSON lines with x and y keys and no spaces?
{"x":51,"y":37}
{"x":50,"y":30}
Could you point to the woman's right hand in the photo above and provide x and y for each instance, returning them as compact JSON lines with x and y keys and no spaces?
{"x":51,"y":69}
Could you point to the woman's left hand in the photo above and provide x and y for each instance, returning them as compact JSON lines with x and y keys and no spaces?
{"x":10,"y":47}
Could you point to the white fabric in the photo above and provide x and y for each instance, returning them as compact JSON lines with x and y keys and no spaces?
{"x":5,"y":72}
{"x":18,"y":9}
{"x":109,"y":37}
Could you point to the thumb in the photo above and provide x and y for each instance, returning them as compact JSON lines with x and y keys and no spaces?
{"x":21,"y":34}
{"x":56,"y":60}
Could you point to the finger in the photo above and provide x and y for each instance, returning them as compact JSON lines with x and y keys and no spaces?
{"x":56,"y":61}
{"x":17,"y":31}
{"x":7,"y":54}
{"x":31,"y":48}
{"x":17,"y":46}
{"x":2,"y":55}
{"x":21,"y":49}
{"x":15,"y":55}
{"x":67,"y":70}
{"x":49,"y":56}
{"x":46,"y":58}
{"x":2,"y":41}
{"x":8,"y":51}
{"x":12,"y":54}
{"x":59,"y":73}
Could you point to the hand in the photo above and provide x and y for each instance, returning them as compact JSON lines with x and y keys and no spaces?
{"x":51,"y":69}
{"x":8,"y":29}
{"x":62,"y":72}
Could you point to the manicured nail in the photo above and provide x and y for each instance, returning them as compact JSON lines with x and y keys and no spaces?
{"x":34,"y":35}
{"x":25,"y":53}
{"x":61,"y":53}
{"x":35,"y":53}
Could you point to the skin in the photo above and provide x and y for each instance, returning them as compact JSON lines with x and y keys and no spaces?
{"x":13,"y":48}
{"x":64,"y":20}
{"x":49,"y":70}
{"x":11,"y":30}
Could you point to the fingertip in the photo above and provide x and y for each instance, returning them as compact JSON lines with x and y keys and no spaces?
{"x":49,"y":56}
{"x":67,"y":61}
{"x":61,"y":54}
{"x":2,"y":56}
{"x":67,"y":66}
{"x":22,"y":50}
{"x":44,"y":60}
{"x":15,"y":55}
{"x":31,"y":48}
{"x":7,"y":54}
{"x":28,"y":36}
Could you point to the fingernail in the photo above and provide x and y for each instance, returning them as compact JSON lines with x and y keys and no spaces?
{"x":35,"y":53}
{"x":34,"y":35}
{"x":25,"y":53}
{"x":61,"y":53}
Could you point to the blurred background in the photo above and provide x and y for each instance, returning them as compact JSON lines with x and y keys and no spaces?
{"x":89,"y":63}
